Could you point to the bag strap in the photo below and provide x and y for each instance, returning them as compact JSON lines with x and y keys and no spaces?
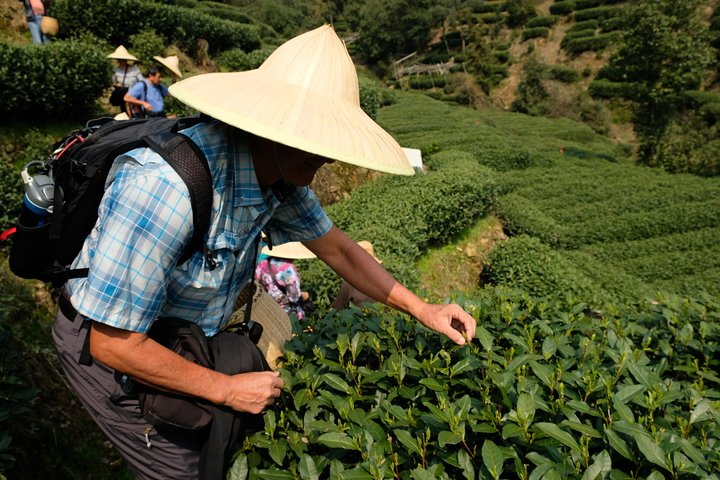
{"x":247,"y":319}
{"x":186,"y":158}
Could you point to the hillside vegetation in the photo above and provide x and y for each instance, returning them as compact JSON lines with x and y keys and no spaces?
{"x":598,"y":348}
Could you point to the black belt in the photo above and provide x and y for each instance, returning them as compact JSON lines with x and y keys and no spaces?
{"x":71,"y":314}
{"x":66,"y":307}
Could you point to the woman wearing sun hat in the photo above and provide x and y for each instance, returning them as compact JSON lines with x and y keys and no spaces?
{"x":280,"y":278}
{"x":269,"y":131}
{"x":124,"y":75}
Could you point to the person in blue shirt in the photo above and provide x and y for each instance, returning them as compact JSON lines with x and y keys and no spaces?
{"x":145,"y":98}
{"x":266,"y":134}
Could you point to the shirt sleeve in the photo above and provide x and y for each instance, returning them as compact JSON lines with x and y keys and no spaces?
{"x":136,"y":90}
{"x":142,"y":228}
{"x":299,"y":218}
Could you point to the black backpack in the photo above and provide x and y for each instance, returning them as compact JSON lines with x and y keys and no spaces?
{"x":79,"y":166}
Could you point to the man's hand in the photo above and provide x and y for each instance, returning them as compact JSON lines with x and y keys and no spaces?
{"x":450,"y":320}
{"x":253,"y":392}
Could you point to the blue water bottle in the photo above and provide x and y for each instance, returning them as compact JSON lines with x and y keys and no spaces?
{"x":39,"y":193}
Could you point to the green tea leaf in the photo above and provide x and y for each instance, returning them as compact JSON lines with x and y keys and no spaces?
{"x":618,"y":444}
{"x":239,"y":470}
{"x":626,"y":394}
{"x":526,"y":407}
{"x":461,"y":366}
{"x":599,"y":468}
{"x":434,"y":385}
{"x":544,"y":372}
{"x":552,"y":430}
{"x":407,"y":439}
{"x":357,"y":473}
{"x":422,"y":474}
{"x":493,"y":458}
{"x":466,"y":464}
{"x":549,"y":347}
{"x":700,"y":412}
{"x":512,"y":431}
{"x":582,"y":428}
{"x":278,"y":450}
{"x":307,"y":468}
{"x":333,"y":381}
{"x":652,"y":451}
{"x":275,"y":474}
{"x":448,"y":438}
{"x":337,"y":440}
{"x":486,"y":339}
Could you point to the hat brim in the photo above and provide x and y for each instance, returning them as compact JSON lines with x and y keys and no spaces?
{"x":169,"y":66}
{"x":121,"y":53}
{"x":294,"y":116}
{"x":291,"y":250}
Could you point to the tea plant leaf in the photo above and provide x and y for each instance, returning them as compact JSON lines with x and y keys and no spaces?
{"x":512,"y":431}
{"x":526,"y":408}
{"x":628,"y":393}
{"x":549,"y":347}
{"x":433,"y":384}
{"x":599,"y":468}
{"x":618,"y":444}
{"x":544,"y":372}
{"x":466,"y":464}
{"x":623,"y":411}
{"x":692,"y":452}
{"x":582,"y":407}
{"x":655,"y":475}
{"x":448,"y":438}
{"x":539,"y":472}
{"x":407,"y":439}
{"x":700,"y":412}
{"x":582,"y":428}
{"x":338,"y":440}
{"x":552,"y":430}
{"x":357,"y":473}
{"x":333,"y":381}
{"x":275,"y":474}
{"x":643,"y":375}
{"x":486,"y":339}
{"x":538,"y":459}
{"x":652,"y":451}
{"x":462,"y":365}
{"x":239,"y":470}
{"x":493,"y":458}
{"x":278,"y":450}
{"x":307,"y":468}
{"x":422,"y":474}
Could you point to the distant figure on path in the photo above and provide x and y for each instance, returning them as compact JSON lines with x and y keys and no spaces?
{"x":34,"y":11}
{"x":146,"y":97}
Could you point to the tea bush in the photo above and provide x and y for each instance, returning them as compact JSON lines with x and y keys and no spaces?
{"x":402,"y":216}
{"x":114,"y":21}
{"x":65,"y":78}
{"x":548,"y":389}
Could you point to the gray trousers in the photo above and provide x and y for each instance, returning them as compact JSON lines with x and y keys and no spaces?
{"x":149,"y":453}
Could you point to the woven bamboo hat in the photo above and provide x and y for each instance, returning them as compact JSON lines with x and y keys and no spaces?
{"x":49,"y":25}
{"x":277,"y":328}
{"x":305,"y":95}
{"x":172,"y":63}
{"x":121,"y":53}
{"x":290,"y":250}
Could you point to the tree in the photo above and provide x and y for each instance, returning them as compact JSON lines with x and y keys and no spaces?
{"x":665,"y":51}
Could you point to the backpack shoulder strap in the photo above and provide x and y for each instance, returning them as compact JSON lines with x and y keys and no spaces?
{"x":183,"y":155}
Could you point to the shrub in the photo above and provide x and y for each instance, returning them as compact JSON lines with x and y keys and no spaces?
{"x":607,"y":89}
{"x":11,"y":189}
{"x":115,"y":20}
{"x":526,"y":263}
{"x":66,"y":77}
{"x":537,"y":32}
{"x":544,"y":21}
{"x":596,"y":43}
{"x":147,"y":44}
{"x":591,"y":24}
{"x":595,"y":13}
{"x":562,"y":8}
{"x":371,"y":97}
{"x":563,"y":74}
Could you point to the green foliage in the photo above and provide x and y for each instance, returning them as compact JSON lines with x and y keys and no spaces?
{"x":531,"y":93}
{"x":402,"y":216}
{"x":595,"y":13}
{"x":526,"y":263}
{"x":65,"y":78}
{"x":10,"y":195}
{"x":536,"y":32}
{"x":562,"y":8}
{"x":236,"y":60}
{"x":115,"y":20}
{"x":665,"y":50}
{"x":606,"y":89}
{"x":371,"y":97}
{"x":595,"y":43}
{"x":563,"y":74}
{"x":547,"y":387}
{"x":544,"y":21}
{"x":147,"y":44}
{"x":519,"y":12}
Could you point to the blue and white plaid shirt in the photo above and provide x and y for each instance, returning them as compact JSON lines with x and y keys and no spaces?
{"x":145,"y":221}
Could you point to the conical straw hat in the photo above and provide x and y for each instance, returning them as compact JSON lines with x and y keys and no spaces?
{"x":305,"y":95}
{"x":277,"y":328}
{"x":121,"y":53}
{"x":291,"y":250}
{"x":172,"y":63}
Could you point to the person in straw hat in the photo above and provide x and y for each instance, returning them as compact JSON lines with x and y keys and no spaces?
{"x":279,"y":276}
{"x":125,"y":74}
{"x":267,"y":133}
{"x":172,"y":63}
